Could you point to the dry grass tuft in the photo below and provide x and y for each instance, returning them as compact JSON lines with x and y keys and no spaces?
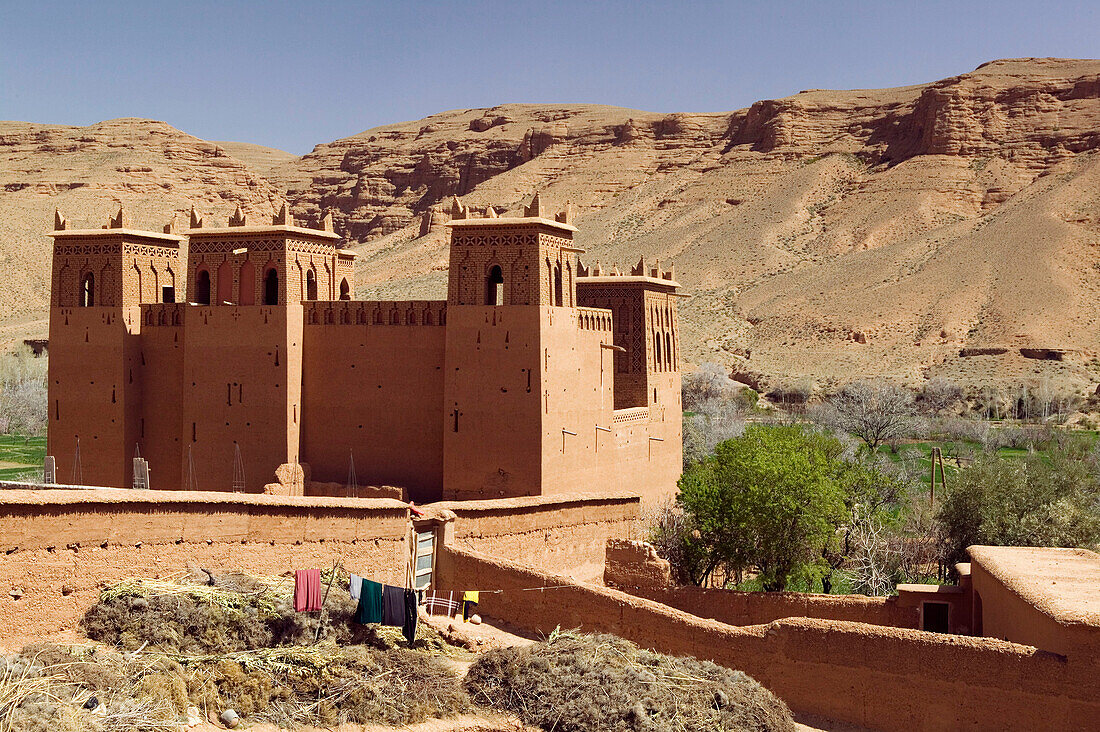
{"x":581,"y":683}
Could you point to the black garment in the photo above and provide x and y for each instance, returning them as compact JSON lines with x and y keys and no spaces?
{"x":393,"y":606}
{"x":409,"y":628}
{"x":468,"y":609}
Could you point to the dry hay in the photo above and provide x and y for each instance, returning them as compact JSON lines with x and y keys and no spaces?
{"x":233,"y":643}
{"x":583,"y":683}
{"x":236,"y":613}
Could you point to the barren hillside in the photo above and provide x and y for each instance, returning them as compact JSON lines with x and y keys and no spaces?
{"x":946,"y":229}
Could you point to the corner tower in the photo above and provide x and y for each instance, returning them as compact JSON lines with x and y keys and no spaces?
{"x":101,"y":278}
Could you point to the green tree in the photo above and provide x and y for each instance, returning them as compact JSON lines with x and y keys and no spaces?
{"x":771,"y":500}
{"x":1051,"y":500}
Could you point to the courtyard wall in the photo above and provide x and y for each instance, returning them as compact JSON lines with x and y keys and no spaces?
{"x":62,"y":547}
{"x":874,"y":676}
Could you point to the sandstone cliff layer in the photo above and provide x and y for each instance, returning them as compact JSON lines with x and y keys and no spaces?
{"x":824,"y":235}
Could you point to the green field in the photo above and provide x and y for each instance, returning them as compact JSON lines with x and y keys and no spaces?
{"x":20,"y":456}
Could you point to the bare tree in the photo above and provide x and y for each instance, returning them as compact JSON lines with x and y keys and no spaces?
{"x":707,"y":383}
{"x":875,"y":412}
{"x":939,"y":394}
{"x":872,"y":563}
{"x":23,"y":404}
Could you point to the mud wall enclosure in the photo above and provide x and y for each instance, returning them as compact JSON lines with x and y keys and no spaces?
{"x":873,"y":676}
{"x":62,"y":547}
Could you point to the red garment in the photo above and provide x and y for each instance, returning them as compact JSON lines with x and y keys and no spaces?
{"x":307,"y":590}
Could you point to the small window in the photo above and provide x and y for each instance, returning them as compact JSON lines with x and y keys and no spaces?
{"x":345,"y":289}
{"x":168,"y":294}
{"x":557,"y":285}
{"x":271,"y":287}
{"x":87,"y":291}
{"x":311,"y":285}
{"x":494,"y":287}
{"x":202,"y":288}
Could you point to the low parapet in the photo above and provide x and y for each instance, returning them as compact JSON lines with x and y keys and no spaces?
{"x":462,"y":215}
{"x":282,"y":222}
{"x":118,"y":224}
{"x":638,"y":273}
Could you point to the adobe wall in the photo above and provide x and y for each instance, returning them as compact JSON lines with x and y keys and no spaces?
{"x":1005,"y":614}
{"x":493,"y":403}
{"x":94,"y":392}
{"x":752,"y":608}
{"x":873,"y":676}
{"x":561,"y":534}
{"x":634,"y":567}
{"x":242,"y":375}
{"x":61,"y":547}
{"x":374,"y":390}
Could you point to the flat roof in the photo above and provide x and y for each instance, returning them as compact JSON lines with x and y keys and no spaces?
{"x":626,"y":280}
{"x":116,"y":232}
{"x":263,"y":229}
{"x":1063,"y":583}
{"x":512,"y":221}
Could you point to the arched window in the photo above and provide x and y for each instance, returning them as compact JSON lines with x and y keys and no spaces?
{"x":311,"y":284}
{"x":87,"y":291}
{"x":202,"y":288}
{"x":225,"y":283}
{"x":557,"y":285}
{"x":657,"y":350}
{"x":271,"y":287}
{"x":494,"y":287}
{"x":248,"y":283}
{"x":345,"y":289}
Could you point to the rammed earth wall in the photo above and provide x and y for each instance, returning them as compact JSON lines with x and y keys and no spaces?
{"x":751,"y":608}
{"x":62,"y":547}
{"x":564,"y":534}
{"x":874,"y":676}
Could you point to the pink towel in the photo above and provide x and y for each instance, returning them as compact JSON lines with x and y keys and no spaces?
{"x":307,"y":590}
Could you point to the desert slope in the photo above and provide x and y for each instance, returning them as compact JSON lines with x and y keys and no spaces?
{"x":822,"y":236}
{"x":151,"y":168}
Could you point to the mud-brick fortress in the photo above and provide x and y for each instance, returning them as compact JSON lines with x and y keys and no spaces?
{"x":533,"y":377}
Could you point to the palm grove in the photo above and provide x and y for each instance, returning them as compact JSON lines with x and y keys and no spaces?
{"x":833,"y":500}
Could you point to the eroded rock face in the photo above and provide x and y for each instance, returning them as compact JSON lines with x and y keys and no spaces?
{"x":151,"y":168}
{"x":832,"y":233}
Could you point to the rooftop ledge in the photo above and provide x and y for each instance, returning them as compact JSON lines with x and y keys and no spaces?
{"x":1061,"y":583}
{"x":64,"y":233}
{"x":263,"y":229}
{"x":626,"y":279}
{"x":512,"y":221}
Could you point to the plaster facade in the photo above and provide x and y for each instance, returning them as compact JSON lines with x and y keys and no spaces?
{"x":533,"y":377}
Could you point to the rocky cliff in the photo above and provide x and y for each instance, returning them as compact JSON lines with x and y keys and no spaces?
{"x":824,"y":235}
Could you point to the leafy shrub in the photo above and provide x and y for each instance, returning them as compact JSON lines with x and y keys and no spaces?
{"x":584,"y":683}
{"x":1051,"y":500}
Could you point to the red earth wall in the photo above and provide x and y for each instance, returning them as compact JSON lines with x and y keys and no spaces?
{"x":63,"y":547}
{"x":873,"y":676}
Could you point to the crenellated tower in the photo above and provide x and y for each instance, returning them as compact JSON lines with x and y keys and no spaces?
{"x":101,"y":279}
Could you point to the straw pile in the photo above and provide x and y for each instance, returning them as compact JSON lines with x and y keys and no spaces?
{"x":580,"y":683}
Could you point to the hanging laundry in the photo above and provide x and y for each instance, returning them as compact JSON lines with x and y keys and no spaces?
{"x":393,"y":606}
{"x":370,"y":603}
{"x":354,"y":586}
{"x":469,"y":603}
{"x":440,"y":603}
{"x":307,"y":590}
{"x":409,"y":628}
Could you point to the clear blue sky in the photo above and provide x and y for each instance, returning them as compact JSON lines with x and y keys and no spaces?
{"x":294,"y":74}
